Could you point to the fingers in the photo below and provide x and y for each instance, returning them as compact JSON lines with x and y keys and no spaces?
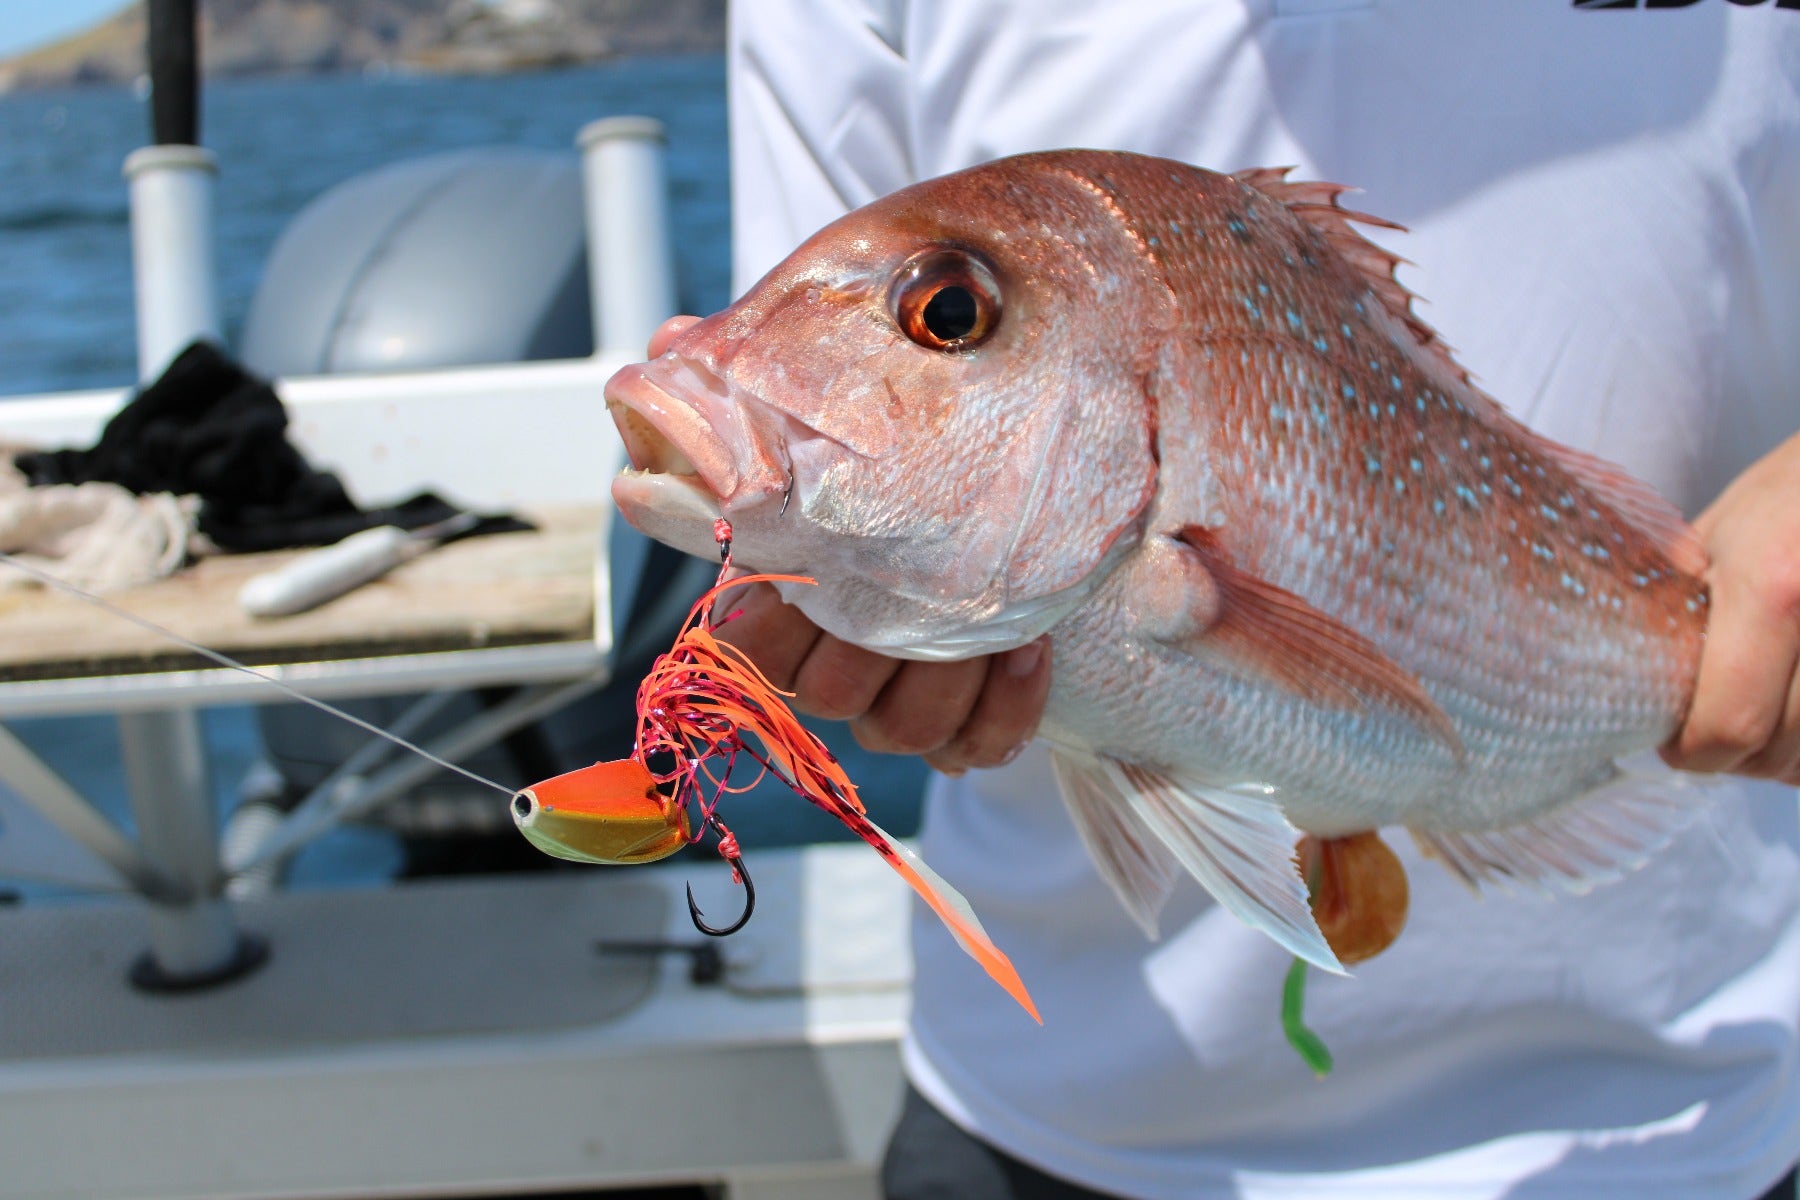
{"x":839,"y":681}
{"x":922,"y":707}
{"x":667,"y":331}
{"x":979,"y":712}
{"x":1006,"y":714}
{"x":1743,"y":715}
{"x":776,"y":636}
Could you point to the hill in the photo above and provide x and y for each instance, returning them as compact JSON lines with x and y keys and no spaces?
{"x":269,"y":37}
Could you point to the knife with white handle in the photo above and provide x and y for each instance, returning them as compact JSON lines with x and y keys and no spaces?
{"x":327,"y":573}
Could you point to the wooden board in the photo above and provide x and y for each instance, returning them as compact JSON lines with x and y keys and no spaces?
{"x":497,"y":590}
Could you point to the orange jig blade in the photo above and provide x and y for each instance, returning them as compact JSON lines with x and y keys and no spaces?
{"x":694,"y":707}
{"x":611,"y":812}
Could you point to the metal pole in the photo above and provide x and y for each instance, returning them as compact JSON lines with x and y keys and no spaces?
{"x":70,"y":812}
{"x":174,"y":57}
{"x":172,"y":251}
{"x":631,"y":272}
{"x":194,"y":944}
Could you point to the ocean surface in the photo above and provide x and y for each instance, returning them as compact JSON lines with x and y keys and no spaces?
{"x":66,"y":320}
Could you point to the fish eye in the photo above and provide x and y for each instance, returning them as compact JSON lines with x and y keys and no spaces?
{"x":946,"y":300}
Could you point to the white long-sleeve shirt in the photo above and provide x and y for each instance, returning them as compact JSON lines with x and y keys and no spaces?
{"x":1605,"y":212}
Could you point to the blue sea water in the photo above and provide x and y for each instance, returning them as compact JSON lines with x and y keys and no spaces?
{"x":65,"y":260}
{"x":66,"y":317}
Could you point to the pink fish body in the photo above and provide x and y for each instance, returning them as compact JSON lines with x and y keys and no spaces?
{"x":1299,"y":573}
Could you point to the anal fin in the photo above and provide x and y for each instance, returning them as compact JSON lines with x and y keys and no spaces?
{"x":1591,"y":840}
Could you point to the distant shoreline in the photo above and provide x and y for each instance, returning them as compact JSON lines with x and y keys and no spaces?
{"x":302,"y":38}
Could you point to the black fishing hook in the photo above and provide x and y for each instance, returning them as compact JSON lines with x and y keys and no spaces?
{"x":728,"y":850}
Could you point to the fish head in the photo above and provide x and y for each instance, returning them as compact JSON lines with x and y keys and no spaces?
{"x":935,"y":407}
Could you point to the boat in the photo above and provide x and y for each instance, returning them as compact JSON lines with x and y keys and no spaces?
{"x":198,"y":1030}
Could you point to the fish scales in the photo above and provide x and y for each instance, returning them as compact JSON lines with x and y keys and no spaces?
{"x":1327,"y":397}
{"x":1297,"y":570}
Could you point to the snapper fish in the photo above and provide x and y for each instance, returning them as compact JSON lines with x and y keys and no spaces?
{"x":1304,"y":581}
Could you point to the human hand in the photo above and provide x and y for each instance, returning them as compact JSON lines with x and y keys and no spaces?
{"x":979,"y":712}
{"x":1745,"y":714}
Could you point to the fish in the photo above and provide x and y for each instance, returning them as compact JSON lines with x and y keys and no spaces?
{"x":1301,"y":576}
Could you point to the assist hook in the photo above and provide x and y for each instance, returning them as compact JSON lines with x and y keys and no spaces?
{"x":728,"y":850}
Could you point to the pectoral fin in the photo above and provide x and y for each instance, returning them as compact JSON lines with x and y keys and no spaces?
{"x":1234,"y":840}
{"x":1269,"y":630}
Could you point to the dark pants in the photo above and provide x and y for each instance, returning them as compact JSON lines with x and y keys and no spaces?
{"x":931,"y":1158}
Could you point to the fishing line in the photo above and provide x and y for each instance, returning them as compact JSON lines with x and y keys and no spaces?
{"x":225,"y":660}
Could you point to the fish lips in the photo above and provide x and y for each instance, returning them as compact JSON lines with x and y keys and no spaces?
{"x":679,"y":422}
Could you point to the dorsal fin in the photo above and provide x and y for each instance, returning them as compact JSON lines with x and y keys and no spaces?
{"x":1316,"y":203}
{"x":1636,"y":502}
{"x":1633,"y":500}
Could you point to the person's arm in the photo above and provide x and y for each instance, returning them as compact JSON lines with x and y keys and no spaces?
{"x":1745,"y":715}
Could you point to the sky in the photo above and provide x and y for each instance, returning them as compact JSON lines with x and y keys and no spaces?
{"x":26,"y":24}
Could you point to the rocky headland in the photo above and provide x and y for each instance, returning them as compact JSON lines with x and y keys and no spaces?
{"x":301,"y":37}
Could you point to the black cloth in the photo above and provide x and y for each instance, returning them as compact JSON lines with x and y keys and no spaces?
{"x":930,"y":1157}
{"x":209,"y":428}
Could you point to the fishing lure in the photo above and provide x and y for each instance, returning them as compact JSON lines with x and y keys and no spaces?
{"x":701,"y":708}
{"x":1359,"y":896}
{"x":695,"y":707}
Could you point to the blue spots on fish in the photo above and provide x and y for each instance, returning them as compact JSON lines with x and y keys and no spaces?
{"x":1466,"y":494}
{"x":1236,"y":227}
{"x":1595,"y":550}
{"x":1549,"y":513}
{"x":1573,"y":584}
{"x":1293,"y":320}
{"x":1321,"y":345}
{"x":1372,"y":464}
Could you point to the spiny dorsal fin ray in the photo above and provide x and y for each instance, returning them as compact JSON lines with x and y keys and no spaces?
{"x":1637,"y":503}
{"x":1316,"y":203}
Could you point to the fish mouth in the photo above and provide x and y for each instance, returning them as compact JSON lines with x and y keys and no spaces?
{"x":666,"y":433}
